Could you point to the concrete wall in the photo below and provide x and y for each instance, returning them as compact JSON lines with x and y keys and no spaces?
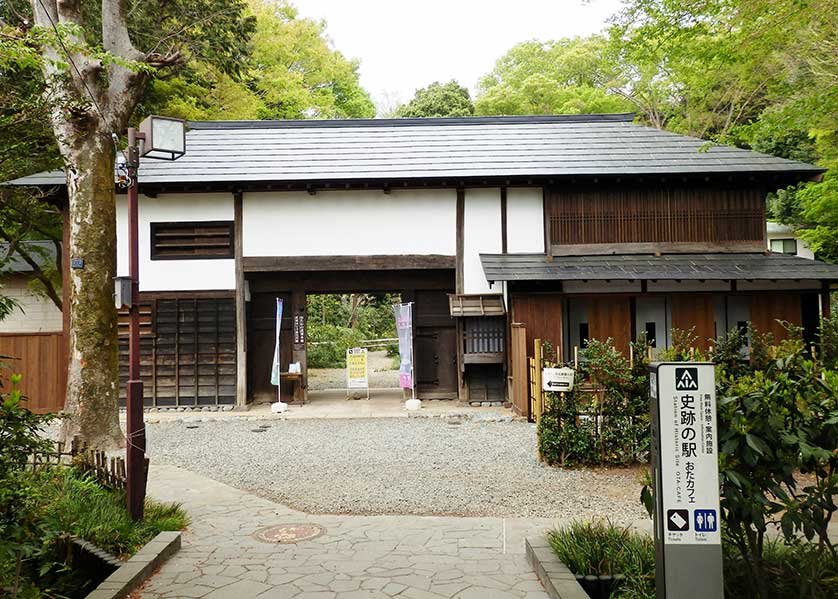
{"x":38,"y":315}
{"x":175,"y":275}
{"x":344,"y":223}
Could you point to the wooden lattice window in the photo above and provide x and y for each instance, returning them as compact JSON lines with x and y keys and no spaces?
{"x":185,"y":240}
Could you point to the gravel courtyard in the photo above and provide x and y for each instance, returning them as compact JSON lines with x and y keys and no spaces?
{"x":395,"y":466}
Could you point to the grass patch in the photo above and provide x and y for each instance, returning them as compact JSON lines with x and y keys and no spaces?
{"x":75,"y":503}
{"x":66,"y":501}
{"x":793,"y":571}
{"x":602,"y":549}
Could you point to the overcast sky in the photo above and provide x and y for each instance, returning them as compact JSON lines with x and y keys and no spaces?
{"x":403,"y":45}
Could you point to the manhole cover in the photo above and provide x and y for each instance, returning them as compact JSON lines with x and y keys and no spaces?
{"x":288,"y":533}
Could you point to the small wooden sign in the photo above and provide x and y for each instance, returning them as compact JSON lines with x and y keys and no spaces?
{"x":299,"y":329}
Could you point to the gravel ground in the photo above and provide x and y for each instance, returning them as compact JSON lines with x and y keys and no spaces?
{"x":381,"y":373}
{"x":395,"y":466}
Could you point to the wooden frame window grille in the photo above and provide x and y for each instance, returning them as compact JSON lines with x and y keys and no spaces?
{"x":192,"y":240}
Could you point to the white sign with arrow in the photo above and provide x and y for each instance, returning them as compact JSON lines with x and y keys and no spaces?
{"x":557,"y":379}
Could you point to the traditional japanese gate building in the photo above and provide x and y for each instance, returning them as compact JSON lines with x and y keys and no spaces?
{"x":570,"y":227}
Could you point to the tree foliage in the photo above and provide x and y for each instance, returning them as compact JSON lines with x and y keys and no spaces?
{"x":566,"y":76}
{"x":291,"y":72}
{"x":439,"y":100}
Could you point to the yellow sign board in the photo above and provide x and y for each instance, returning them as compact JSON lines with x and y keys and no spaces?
{"x":356,"y":368}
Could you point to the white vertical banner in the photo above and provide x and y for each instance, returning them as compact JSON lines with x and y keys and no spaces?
{"x":275,"y":368}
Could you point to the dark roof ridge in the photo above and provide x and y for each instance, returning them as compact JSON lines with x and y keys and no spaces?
{"x":625,"y":117}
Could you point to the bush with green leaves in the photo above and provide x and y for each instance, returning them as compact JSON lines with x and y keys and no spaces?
{"x":778,"y":464}
{"x":329,"y":344}
{"x":21,"y":530}
{"x":604,"y":420}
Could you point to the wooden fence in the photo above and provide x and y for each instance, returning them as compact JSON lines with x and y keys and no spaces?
{"x":108,"y":471}
{"x":41,"y":360}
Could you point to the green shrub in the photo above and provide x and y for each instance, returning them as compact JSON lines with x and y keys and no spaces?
{"x":792,"y":569}
{"x":330,"y":345}
{"x":605,"y":423}
{"x":600,"y":549}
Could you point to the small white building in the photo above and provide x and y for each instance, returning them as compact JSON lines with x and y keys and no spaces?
{"x":783,"y":239}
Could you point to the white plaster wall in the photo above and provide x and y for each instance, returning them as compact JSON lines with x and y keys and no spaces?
{"x":36,"y":314}
{"x":175,"y":275}
{"x":652,"y":309}
{"x":345,"y":223}
{"x":525,"y":220}
{"x":481,"y":234}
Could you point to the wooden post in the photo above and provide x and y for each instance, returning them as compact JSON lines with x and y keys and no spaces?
{"x":299,"y":325}
{"x":241,"y":305}
{"x":518,"y":363}
{"x":538,"y":394}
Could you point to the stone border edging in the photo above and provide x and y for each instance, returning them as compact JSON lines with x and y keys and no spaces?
{"x":558,"y":580}
{"x":134,"y":572}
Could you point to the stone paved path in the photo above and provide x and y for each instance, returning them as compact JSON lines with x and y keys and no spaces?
{"x":358,"y":557}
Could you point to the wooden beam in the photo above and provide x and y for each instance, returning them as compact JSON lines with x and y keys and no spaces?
{"x":298,"y":326}
{"x":606,"y":249}
{"x":503,"y":220}
{"x":826,"y":307}
{"x":461,"y":219}
{"x":335,"y":263}
{"x":241,"y":306}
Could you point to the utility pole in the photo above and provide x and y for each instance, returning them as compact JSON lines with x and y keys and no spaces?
{"x":165,"y":139}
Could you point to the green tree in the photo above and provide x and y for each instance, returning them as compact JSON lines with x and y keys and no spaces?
{"x":292,"y":73}
{"x":91,"y":62}
{"x":566,"y":76}
{"x":438,"y":100}
{"x":760,"y":74}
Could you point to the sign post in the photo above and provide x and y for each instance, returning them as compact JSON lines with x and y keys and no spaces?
{"x":357,"y":373}
{"x":685,"y":475}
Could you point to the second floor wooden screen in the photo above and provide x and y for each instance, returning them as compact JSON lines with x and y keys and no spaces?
{"x":184,"y":240}
{"x":662,"y":215}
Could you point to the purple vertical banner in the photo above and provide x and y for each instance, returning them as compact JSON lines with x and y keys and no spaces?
{"x":404,"y":331}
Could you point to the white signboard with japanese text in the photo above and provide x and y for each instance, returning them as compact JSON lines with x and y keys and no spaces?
{"x":689,"y":472}
{"x":557,"y":379}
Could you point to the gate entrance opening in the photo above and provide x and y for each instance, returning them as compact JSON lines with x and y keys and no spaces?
{"x":434,"y":329}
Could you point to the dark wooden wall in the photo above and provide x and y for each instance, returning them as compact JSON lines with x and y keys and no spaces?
{"x":542,"y":315}
{"x":767,"y":309}
{"x":187,"y":350}
{"x":648,"y":215}
{"x":610,"y":316}
{"x":695,"y":311}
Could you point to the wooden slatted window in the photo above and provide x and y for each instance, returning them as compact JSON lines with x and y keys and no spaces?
{"x":185,"y":240}
{"x":655,"y":215}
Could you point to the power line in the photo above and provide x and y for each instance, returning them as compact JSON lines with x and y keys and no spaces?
{"x":58,"y":36}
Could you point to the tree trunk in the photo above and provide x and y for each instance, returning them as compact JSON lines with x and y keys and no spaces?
{"x":93,"y":374}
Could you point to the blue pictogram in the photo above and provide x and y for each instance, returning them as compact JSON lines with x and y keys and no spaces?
{"x":705,"y":520}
